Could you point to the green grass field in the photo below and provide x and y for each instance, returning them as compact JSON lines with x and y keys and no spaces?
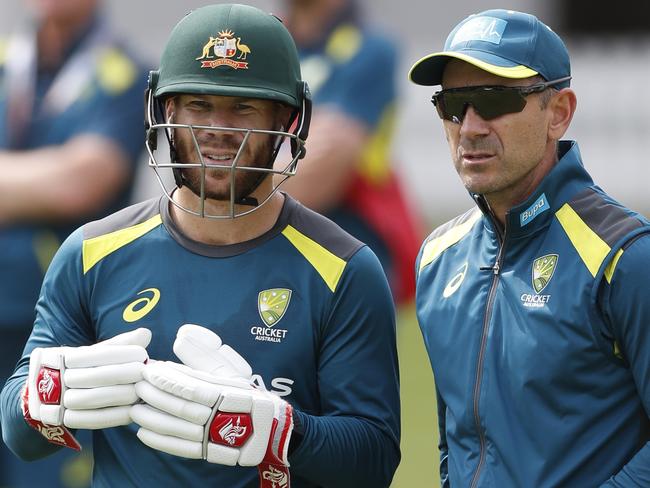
{"x":419,"y":466}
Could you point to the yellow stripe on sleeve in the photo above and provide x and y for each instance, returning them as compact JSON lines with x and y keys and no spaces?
{"x":609,"y":270}
{"x":97,"y":248}
{"x":591,"y":248}
{"x":437,"y":246}
{"x":329,"y":266}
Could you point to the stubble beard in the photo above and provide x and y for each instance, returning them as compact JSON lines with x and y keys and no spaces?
{"x":217,"y":184}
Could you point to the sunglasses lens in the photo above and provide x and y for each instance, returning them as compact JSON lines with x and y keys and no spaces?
{"x":488,"y":103}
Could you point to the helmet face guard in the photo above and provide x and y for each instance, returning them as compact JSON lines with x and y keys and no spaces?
{"x":205,"y":56}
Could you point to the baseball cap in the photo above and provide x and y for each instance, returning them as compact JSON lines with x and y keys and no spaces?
{"x":502,"y":42}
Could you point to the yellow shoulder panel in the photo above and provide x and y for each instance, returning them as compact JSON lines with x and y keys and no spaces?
{"x":97,"y":248}
{"x":329,"y":266}
{"x":435,"y":247}
{"x":591,"y":248}
{"x":344,"y":43}
{"x":115,"y":72}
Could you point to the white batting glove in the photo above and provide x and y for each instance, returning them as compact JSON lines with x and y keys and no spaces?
{"x":86,"y":387}
{"x":212,"y":410}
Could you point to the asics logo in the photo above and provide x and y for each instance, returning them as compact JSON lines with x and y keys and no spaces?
{"x":455,"y":282}
{"x":142,"y":306}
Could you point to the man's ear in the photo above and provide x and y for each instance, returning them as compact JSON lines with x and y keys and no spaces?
{"x":562,"y":106}
{"x":170,"y":107}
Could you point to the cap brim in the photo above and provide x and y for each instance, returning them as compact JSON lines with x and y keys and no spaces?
{"x":428,"y":70}
{"x":224,"y":90}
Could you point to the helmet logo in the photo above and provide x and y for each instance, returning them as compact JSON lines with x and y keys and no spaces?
{"x":219,"y":50}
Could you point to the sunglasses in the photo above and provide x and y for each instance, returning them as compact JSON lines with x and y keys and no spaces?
{"x":489,"y":102}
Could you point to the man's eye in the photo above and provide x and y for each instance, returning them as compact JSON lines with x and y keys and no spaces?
{"x":199,"y":105}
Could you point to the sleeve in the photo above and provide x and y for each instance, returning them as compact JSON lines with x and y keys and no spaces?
{"x":442,"y":444}
{"x":60,"y":320}
{"x":365,"y":86}
{"x":625,"y":303}
{"x":354,"y":442}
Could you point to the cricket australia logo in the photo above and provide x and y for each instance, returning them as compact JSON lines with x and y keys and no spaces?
{"x":543,"y":269}
{"x":220,"y":51}
{"x":542,"y":273}
{"x":271,"y":305}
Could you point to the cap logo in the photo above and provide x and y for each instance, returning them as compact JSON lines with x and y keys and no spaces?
{"x":487,"y":29}
{"x":220,"y":50}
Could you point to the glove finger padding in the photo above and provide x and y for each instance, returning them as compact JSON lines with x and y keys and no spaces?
{"x":201,"y":349}
{"x":88,"y":387}
{"x":241,"y":424}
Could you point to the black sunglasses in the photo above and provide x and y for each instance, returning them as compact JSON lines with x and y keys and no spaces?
{"x":489,"y":102}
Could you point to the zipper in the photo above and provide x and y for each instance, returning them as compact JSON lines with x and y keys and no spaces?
{"x":496,"y":268}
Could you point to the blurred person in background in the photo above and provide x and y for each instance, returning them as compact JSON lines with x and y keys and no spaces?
{"x":71,"y":101}
{"x":533,"y":304}
{"x":346,"y":174}
{"x":224,"y":249}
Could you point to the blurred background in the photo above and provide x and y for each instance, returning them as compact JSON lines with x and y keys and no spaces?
{"x":610,"y":52}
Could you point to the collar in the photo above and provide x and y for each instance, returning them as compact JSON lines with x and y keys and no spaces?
{"x":229,"y":250}
{"x":565,"y":179}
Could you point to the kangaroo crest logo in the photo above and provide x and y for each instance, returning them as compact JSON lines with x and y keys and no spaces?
{"x":220,"y":50}
{"x":272,"y":304}
{"x":543,"y":269}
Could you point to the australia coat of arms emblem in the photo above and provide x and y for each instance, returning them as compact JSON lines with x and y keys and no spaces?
{"x":225,"y":49}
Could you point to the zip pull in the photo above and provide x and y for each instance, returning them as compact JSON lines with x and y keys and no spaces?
{"x":495,"y":268}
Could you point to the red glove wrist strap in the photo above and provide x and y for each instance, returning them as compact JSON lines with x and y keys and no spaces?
{"x":55,"y":434}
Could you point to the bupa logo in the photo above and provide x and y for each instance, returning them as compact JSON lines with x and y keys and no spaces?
{"x":528,"y":215}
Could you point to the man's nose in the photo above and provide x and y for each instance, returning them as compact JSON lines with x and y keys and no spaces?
{"x":473,"y":124}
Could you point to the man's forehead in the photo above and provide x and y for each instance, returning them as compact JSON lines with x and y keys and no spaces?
{"x":459,"y":73}
{"x":222,"y":98}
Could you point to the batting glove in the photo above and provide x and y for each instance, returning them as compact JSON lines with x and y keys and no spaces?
{"x":209,"y":409}
{"x":86,"y":387}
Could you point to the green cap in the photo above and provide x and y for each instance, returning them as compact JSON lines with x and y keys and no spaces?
{"x":230,"y":50}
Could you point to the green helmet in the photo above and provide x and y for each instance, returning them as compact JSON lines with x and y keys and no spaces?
{"x":229,"y":50}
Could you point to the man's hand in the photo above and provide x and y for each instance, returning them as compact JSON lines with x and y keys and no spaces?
{"x":87,"y":387}
{"x":211,"y":410}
